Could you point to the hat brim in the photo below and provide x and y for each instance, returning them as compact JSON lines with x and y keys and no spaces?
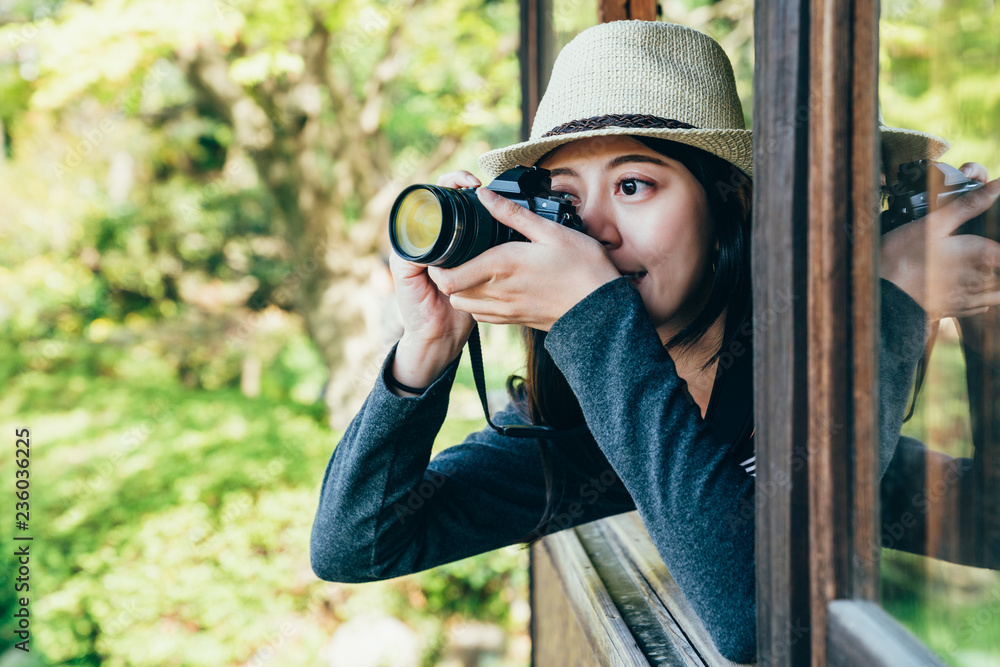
{"x":734,"y":146}
{"x":901,"y":146}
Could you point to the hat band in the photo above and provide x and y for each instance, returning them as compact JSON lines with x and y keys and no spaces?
{"x":630,"y":120}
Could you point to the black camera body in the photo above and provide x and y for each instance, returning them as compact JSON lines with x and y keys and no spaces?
{"x":531,"y":188}
{"x":446,"y":227}
{"x":922,"y":186}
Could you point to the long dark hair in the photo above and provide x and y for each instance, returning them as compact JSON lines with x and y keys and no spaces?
{"x":543,"y":393}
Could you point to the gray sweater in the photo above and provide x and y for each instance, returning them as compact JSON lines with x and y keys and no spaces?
{"x":386,"y":509}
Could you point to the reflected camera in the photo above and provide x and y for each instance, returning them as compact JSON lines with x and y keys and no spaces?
{"x":922,"y":186}
{"x":445,"y":227}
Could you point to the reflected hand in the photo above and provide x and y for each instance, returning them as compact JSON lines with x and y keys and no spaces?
{"x":949,"y":276}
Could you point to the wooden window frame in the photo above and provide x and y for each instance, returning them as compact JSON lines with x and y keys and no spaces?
{"x":815,"y":240}
{"x":536,"y":55}
{"x":816,"y":235}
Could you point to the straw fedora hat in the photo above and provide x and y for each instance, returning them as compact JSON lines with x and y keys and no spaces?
{"x":644,"y":78}
{"x":900,"y":145}
{"x":657,"y":79}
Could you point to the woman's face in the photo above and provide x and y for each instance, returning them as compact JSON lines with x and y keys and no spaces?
{"x":650,"y":214}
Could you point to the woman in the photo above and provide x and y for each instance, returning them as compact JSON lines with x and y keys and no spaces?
{"x":638,"y":328}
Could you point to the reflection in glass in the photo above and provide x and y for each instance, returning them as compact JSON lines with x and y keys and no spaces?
{"x":941,"y":495}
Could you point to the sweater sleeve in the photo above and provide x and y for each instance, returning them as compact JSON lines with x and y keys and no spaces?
{"x":907,"y":465}
{"x":386,"y":509}
{"x":903,"y":335}
{"x":687,"y":486}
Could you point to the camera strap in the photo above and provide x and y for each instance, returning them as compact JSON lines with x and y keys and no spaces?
{"x":514,"y":430}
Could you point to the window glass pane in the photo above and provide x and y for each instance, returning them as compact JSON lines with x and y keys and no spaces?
{"x":941,"y":494}
{"x":570,"y":17}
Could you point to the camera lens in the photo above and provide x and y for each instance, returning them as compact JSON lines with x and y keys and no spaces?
{"x":417,"y":223}
{"x":442,"y":227}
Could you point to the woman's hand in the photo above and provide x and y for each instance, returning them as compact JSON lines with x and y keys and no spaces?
{"x":532,"y":284}
{"x":949,"y":276}
{"x":434,"y":332}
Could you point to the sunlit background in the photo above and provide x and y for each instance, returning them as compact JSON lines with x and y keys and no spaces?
{"x":194,"y":299}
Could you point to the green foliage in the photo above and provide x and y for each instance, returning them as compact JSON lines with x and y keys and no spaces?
{"x":172,"y":527}
{"x":938,"y":74}
{"x":954,"y":610}
{"x":941,"y":415}
{"x":136,"y":209}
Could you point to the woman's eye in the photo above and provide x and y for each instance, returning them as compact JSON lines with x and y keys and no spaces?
{"x":632,"y":186}
{"x":562,"y":193}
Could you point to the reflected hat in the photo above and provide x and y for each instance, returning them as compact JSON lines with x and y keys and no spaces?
{"x":900,"y":145}
{"x":645,"y":78}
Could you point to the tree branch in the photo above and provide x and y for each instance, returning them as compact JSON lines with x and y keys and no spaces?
{"x":208,"y":73}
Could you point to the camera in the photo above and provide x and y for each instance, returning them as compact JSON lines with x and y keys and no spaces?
{"x":922,"y":186}
{"x":446,"y":227}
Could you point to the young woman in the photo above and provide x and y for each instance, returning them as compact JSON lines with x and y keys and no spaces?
{"x":638,"y":329}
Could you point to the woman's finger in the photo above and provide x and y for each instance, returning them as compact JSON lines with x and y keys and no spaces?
{"x":521,"y":220}
{"x":954,"y":214}
{"x":975,"y":171}
{"x":458,"y":179}
{"x":402,"y":269}
{"x":500,"y":311}
{"x":960,"y":302}
{"x":469,"y":275}
{"x":476,"y":306}
{"x":970,"y":313}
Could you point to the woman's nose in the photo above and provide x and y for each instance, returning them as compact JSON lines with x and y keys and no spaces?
{"x":599,"y":223}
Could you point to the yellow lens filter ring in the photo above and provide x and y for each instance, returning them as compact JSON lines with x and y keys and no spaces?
{"x":416,"y":223}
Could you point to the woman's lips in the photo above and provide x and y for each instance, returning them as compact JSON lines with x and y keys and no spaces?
{"x":635,"y":276}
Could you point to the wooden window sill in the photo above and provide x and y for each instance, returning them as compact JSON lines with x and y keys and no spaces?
{"x":601,"y":595}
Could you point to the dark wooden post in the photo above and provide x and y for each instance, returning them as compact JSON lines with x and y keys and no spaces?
{"x":780,"y":124}
{"x":843,"y":308}
{"x":621,"y":10}
{"x":536,"y":55}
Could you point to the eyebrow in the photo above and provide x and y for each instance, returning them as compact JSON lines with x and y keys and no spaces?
{"x":615,"y":162}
